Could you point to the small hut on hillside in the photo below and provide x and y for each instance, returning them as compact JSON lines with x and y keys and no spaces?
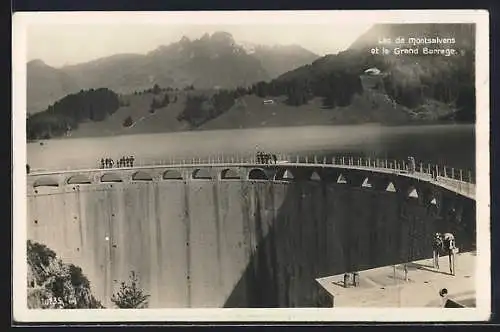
{"x":372,"y":78}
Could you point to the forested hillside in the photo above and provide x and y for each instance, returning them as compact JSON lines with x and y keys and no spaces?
{"x":67,"y":113}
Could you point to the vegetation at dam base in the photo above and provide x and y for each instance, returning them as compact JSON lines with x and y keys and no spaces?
{"x":130,"y":295}
{"x":53,"y":284}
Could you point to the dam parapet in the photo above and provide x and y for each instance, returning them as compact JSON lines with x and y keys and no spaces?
{"x":457,"y":180}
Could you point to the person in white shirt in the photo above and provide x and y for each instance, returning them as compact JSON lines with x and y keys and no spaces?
{"x":450,"y":249}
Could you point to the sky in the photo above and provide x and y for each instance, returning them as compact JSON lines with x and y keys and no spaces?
{"x":61,"y":39}
{"x":59,"y":45}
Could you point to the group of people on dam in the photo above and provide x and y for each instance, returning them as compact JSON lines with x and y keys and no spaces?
{"x":266,"y":158}
{"x":444,"y":243}
{"x":122,"y":162}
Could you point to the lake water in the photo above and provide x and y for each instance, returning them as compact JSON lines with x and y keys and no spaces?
{"x":451,"y":145}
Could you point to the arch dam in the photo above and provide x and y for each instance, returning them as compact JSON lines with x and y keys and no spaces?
{"x":244,"y":234}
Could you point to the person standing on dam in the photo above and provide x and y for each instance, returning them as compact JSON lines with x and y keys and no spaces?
{"x":411,"y":165}
{"x":434,"y":174}
{"x":451,"y":249}
{"x":346,"y":280}
{"x":437,"y":247}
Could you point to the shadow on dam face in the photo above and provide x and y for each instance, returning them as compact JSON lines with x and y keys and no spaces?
{"x":322,"y":230}
{"x":241,"y":243}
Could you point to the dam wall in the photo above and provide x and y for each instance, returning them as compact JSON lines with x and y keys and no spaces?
{"x":239,"y":242}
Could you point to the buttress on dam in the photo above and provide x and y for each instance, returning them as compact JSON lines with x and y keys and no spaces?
{"x":240,"y":235}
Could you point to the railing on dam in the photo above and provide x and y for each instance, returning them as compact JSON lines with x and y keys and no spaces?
{"x":456,"y":180}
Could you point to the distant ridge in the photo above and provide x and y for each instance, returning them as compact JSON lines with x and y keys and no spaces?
{"x":215,"y":60}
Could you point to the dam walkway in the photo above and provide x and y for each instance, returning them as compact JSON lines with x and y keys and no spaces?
{"x":455,"y":180}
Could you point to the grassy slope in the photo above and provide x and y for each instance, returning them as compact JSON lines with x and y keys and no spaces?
{"x":163,"y":120}
{"x":251,"y":113}
{"x":248,"y":112}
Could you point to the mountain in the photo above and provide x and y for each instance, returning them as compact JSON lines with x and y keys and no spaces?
{"x":46,"y":84}
{"x":428,"y":86}
{"x":279,"y":59}
{"x":463,"y":35}
{"x":334,"y":89}
{"x":212,"y":61}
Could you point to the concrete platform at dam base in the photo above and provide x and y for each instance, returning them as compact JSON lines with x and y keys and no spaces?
{"x":378,"y":287}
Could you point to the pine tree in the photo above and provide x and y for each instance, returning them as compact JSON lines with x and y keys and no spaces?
{"x":130,"y":295}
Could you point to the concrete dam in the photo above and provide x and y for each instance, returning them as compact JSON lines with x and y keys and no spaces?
{"x":243,"y":234}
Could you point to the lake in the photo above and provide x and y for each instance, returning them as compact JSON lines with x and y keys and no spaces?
{"x":450,"y":145}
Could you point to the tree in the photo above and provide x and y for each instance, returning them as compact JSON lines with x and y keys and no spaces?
{"x":196,"y":111}
{"x":130,"y":295}
{"x":68,"y":112}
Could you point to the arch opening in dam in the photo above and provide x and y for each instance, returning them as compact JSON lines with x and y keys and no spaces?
{"x":202,"y":174}
{"x":257,"y":174}
{"x":315,"y":176}
{"x":78,"y":179}
{"x":284,"y":174}
{"x":111,"y":177}
{"x":412,"y":192}
{"x":391,"y":187}
{"x":366,"y":183}
{"x":46,"y":182}
{"x":141,"y":176}
{"x":172,"y":174}
{"x":341,"y":179}
{"x":229,"y":174}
